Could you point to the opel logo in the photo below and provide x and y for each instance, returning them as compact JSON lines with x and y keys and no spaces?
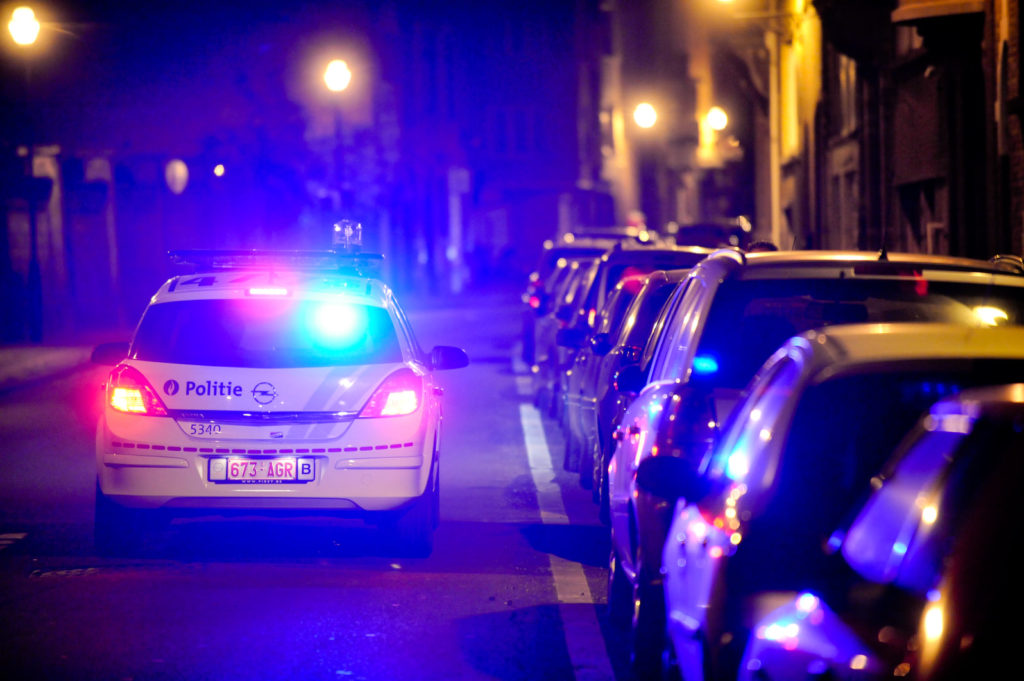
{"x":264,"y":393}
{"x":171,"y":387}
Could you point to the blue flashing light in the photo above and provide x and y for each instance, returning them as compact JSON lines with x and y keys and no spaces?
{"x":737,"y":466}
{"x":899,"y":548}
{"x":337,"y":324}
{"x":705,"y":365}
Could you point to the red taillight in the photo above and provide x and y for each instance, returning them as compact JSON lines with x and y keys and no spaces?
{"x":398,"y":395}
{"x":129,"y":392}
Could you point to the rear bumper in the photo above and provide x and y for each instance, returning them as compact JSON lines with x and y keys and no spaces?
{"x":379,"y":465}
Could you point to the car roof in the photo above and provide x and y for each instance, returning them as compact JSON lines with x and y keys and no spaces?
{"x":767,"y":259}
{"x":285,"y":274}
{"x":847,"y":346}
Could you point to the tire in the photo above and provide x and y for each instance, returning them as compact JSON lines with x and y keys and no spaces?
{"x":648,"y":640}
{"x":570,"y":461}
{"x":413,"y":530}
{"x":586,"y":467}
{"x":604,"y":512}
{"x":120,"y":531}
{"x":620,"y":594}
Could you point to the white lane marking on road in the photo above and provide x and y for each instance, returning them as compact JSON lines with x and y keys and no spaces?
{"x":524,"y":386}
{"x":575,"y":603}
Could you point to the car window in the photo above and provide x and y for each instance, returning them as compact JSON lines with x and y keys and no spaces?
{"x":750,"y":319}
{"x":754,"y":421}
{"x":265,"y":333}
{"x":680,"y":331}
{"x":643,"y":312}
{"x":839,"y":436}
{"x":661,"y":323}
{"x":620,"y":303}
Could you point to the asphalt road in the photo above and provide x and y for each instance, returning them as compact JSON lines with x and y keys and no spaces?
{"x":514,"y":590}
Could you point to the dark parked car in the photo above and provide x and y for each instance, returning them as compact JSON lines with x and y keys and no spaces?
{"x":624,"y":260}
{"x":766,"y":576}
{"x":600,"y":401}
{"x":732,"y":312}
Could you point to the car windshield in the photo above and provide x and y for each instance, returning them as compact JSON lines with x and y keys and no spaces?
{"x":265,"y":333}
{"x":751,"y":318}
{"x":842,"y":433}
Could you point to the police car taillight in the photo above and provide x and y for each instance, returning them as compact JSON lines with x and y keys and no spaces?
{"x":398,"y":395}
{"x":128,"y":391}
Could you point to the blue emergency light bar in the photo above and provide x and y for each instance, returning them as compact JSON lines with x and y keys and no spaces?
{"x":360,"y":264}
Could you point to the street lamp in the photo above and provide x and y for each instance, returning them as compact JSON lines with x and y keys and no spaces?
{"x":24,"y":26}
{"x":337,"y":77}
{"x":24,"y":29}
{"x":645,"y":115}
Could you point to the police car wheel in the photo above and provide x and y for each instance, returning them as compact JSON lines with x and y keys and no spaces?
{"x":413,"y":530}
{"x":121,"y":531}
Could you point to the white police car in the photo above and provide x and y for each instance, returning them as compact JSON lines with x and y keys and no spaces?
{"x":271,"y":381}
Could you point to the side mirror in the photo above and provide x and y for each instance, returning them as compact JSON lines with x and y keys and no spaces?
{"x":564,"y":313}
{"x":601,"y":344}
{"x":671,"y":478}
{"x":570,"y":337}
{"x":448,"y":357}
{"x":632,"y":353}
{"x":630,"y":379}
{"x":109,"y":353}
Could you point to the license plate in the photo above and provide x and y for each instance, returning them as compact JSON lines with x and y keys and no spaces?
{"x":240,"y":469}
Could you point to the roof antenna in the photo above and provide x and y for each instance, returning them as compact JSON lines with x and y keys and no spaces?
{"x":883,"y":255}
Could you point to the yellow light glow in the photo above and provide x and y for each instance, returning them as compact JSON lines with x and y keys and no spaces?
{"x":990,"y":316}
{"x":23,"y":26}
{"x":337,"y":76}
{"x":645,"y":115}
{"x":933,"y":622}
{"x":859,"y":662}
{"x":717,"y":119}
{"x":735,"y":538}
{"x":398,"y":403}
{"x":929,"y":514}
{"x":128,"y":400}
{"x":218,"y":170}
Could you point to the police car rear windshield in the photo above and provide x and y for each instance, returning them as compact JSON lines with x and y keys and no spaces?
{"x":266,"y":334}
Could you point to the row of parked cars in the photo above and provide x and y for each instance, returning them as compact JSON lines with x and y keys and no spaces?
{"x":807,"y":459}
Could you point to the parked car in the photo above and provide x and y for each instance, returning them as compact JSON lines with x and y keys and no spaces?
{"x":269,"y":382}
{"x":622,"y":261}
{"x":557,"y":313}
{"x":542,"y":281}
{"x":756,"y":585}
{"x":733,"y":311}
{"x":601,"y":403}
{"x":588,"y":349}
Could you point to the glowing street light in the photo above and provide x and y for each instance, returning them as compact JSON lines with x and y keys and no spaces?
{"x":337,"y":76}
{"x":24,"y":26}
{"x":717,"y":119}
{"x":645,"y":116}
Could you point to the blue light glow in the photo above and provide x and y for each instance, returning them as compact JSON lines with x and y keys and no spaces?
{"x":705,"y":364}
{"x":337,"y":323}
{"x":738,"y":465}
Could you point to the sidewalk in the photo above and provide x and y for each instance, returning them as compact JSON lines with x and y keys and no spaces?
{"x":22,"y":364}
